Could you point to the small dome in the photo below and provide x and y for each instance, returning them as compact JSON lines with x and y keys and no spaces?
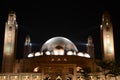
{"x":58,"y":43}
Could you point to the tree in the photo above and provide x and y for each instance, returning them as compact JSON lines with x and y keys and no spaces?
{"x":83,"y":73}
{"x":105,"y":65}
{"x":86,"y":72}
{"x":114,"y":69}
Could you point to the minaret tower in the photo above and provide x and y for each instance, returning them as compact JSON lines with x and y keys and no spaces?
{"x":27,"y":46}
{"x":90,"y":47}
{"x":9,"y":51}
{"x":90,"y":50}
{"x":107,"y":37}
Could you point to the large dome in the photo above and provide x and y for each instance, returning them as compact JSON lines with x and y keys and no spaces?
{"x":58,"y":42}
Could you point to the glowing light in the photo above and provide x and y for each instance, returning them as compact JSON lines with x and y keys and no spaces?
{"x":4,"y":77}
{"x":65,"y":59}
{"x":86,"y":55}
{"x":74,"y":53}
{"x":58,"y":78}
{"x":58,"y":52}
{"x":30,"y":55}
{"x":78,"y":68}
{"x":58,"y":59}
{"x":37,"y":54}
{"x":80,"y":54}
{"x":70,"y":53}
{"x":109,"y":49}
{"x":36,"y":69}
{"x":47,"y":52}
{"x":30,"y":44}
{"x":101,"y":27}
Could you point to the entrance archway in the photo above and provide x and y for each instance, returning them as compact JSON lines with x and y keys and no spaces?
{"x":58,"y":78}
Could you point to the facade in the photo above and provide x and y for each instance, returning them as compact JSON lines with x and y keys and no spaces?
{"x":58,"y":58}
{"x":107,"y":37}
{"x":9,"y":43}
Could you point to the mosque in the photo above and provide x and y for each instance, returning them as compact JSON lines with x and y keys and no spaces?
{"x":58,"y":58}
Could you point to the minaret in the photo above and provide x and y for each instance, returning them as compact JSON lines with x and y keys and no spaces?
{"x":90,"y":50}
{"x":90,"y":47}
{"x":107,"y":37}
{"x":27,"y":46}
{"x":9,"y":50}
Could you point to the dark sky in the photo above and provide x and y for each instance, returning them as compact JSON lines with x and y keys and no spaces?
{"x":75,"y":20}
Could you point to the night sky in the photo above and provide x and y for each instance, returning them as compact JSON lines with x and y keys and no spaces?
{"x":75,"y":20}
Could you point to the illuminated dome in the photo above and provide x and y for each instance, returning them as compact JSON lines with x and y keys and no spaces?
{"x":59,"y":43}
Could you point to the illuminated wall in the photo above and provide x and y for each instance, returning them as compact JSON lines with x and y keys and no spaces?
{"x":21,"y":76}
{"x":9,"y":43}
{"x":107,"y":36}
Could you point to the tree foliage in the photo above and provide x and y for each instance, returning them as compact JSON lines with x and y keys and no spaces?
{"x":110,"y":67}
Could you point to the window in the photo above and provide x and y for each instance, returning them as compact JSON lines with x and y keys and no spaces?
{"x":10,"y":28}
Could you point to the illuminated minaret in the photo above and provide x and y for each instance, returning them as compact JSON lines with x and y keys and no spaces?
{"x":27,"y":46}
{"x":90,"y":47}
{"x":107,"y":37}
{"x":9,"y":51}
{"x":90,"y":50}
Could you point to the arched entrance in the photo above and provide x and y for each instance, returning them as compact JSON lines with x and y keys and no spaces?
{"x":58,"y":71}
{"x":58,"y":78}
